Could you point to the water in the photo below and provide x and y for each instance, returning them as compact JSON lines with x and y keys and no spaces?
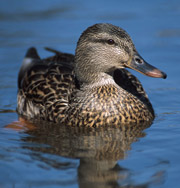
{"x":62,"y":157}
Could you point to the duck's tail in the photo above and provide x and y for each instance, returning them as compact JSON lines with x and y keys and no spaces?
{"x":30,"y":58}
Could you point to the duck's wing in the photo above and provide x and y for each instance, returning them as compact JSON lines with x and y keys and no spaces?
{"x":65,"y":59}
{"x":45,"y":85}
{"x":130,"y":83}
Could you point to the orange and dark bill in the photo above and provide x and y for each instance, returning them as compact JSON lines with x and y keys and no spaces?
{"x":140,"y":65}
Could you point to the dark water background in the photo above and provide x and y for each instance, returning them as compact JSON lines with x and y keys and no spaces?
{"x":62,"y":157}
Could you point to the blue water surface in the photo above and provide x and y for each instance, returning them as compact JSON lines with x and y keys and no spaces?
{"x":64,"y":158}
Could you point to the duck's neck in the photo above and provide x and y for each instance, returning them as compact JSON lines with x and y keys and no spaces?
{"x":92,"y":79}
{"x":100,"y":80}
{"x":90,"y":73}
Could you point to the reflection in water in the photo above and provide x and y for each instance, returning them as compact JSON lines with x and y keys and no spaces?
{"x":98,"y":149}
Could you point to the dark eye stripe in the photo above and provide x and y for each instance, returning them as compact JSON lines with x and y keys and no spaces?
{"x":107,"y":41}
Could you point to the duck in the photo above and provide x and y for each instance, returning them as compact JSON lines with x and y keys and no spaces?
{"x":91,"y":88}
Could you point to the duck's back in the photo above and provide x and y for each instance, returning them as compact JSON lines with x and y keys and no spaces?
{"x":45,"y":86}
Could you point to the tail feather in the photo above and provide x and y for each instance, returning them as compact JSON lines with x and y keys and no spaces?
{"x":53,"y":50}
{"x":32,"y":53}
{"x":30,"y":58}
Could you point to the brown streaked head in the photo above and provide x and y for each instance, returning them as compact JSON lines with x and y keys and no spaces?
{"x":102,"y":48}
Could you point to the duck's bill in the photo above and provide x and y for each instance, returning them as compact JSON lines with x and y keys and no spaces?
{"x":140,"y":65}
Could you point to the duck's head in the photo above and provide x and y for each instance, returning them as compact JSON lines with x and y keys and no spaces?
{"x":102,"y":48}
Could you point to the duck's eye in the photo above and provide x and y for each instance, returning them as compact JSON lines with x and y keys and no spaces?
{"x":110,"y":42}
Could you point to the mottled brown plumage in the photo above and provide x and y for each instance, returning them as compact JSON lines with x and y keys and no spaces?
{"x":91,"y":88}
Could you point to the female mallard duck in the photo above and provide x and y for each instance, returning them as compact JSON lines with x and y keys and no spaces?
{"x":91,"y":88}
